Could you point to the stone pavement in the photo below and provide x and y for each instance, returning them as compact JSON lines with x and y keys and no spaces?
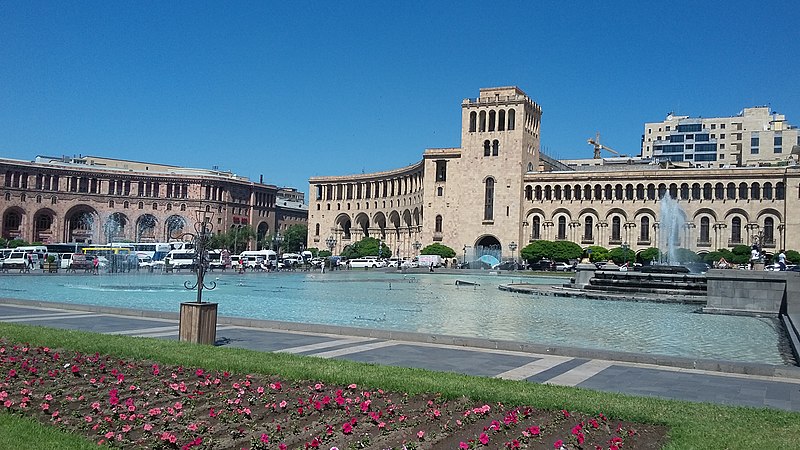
{"x":773,"y":387}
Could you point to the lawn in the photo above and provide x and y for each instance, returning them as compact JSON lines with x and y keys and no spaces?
{"x":233,"y":398}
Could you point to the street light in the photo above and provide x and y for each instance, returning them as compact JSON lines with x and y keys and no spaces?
{"x":513,"y":246}
{"x":625,"y":248}
{"x":331,"y":242}
{"x":200,"y":237}
{"x":277,"y":240}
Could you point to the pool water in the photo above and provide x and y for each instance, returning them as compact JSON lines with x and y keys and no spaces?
{"x":432,"y":303}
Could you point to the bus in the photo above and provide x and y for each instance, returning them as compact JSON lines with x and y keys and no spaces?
{"x":155,"y":250}
{"x":116,"y":259}
{"x":181,"y":245}
{"x":66,"y":247}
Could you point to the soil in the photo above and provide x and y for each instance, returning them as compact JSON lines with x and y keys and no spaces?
{"x":144,"y":404}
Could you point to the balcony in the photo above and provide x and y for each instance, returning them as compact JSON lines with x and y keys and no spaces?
{"x":613,"y":241}
{"x":703,"y":242}
{"x":643,"y":242}
{"x":587,"y":240}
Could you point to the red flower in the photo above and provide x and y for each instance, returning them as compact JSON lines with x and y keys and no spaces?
{"x":484,"y":439}
{"x":558,"y":444}
{"x":347,"y":428}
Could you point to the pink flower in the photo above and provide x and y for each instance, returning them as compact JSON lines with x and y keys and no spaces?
{"x":484,"y":439}
{"x":147,"y":427}
{"x":559,"y":443}
{"x":126,"y":428}
{"x":96,"y":406}
{"x":352,"y":386}
{"x":347,"y":428}
{"x":534,"y":430}
{"x":88,"y":419}
{"x":192,"y":427}
{"x":421,"y":435}
{"x":110,"y":435}
{"x":282,"y":446}
{"x":264,"y":438}
{"x":463,"y":445}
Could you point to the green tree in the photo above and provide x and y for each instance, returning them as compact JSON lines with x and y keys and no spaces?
{"x":324,"y":254}
{"x":537,"y":250}
{"x":14,"y":243}
{"x":598,"y":253}
{"x":235,"y":239}
{"x":368,"y":246}
{"x":566,"y":251}
{"x":647,"y":256}
{"x":792,"y":256}
{"x":620,"y":255}
{"x":741,"y":254}
{"x":294,"y":239}
{"x":713,"y":257}
{"x":684,"y":255}
{"x":314,"y":251}
{"x":438,"y":249}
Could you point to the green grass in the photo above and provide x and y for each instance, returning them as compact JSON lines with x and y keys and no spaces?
{"x":691,"y":425}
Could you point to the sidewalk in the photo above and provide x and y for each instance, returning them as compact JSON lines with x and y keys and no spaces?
{"x":774,"y":387}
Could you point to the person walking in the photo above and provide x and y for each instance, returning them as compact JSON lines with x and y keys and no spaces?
{"x":782,"y":261}
{"x":96,"y":265}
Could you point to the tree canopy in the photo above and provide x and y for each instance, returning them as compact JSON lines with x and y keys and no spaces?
{"x":368,"y":246}
{"x":438,"y":249}
{"x":557,"y":251}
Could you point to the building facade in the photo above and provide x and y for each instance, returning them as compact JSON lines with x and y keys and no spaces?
{"x":99,"y":200}
{"x":755,"y":136}
{"x":495,"y":194}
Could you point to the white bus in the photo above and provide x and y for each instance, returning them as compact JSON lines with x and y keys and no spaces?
{"x":253,"y":258}
{"x":181,"y":259}
{"x":155,"y":250}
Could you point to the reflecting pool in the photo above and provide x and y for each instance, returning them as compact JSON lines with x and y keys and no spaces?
{"x":432,"y":303}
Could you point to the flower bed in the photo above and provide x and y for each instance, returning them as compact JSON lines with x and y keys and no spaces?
{"x":146,"y":404}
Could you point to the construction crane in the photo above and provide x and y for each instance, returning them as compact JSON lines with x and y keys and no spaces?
{"x":598,"y":146}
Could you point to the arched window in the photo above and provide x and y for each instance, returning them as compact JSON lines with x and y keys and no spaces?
{"x":438,"y":226}
{"x":567,"y":192}
{"x":651,"y":192}
{"x":491,"y":120}
{"x":719,"y":191}
{"x":588,"y":226}
{"x":538,"y":192}
{"x":616,"y":226}
{"x":662,"y":190}
{"x":731,"y":191}
{"x":473,"y":121}
{"x":736,"y":230}
{"x":577,"y":192}
{"x":439,"y":191}
{"x":707,"y":191}
{"x":141,"y":205}
{"x":536,"y":228}
{"x":684,"y":191}
{"x":598,"y":192}
{"x":704,"y":230}
{"x":488,"y":209}
{"x":316,"y":230}
{"x":501,"y":120}
{"x":530,"y":167}
{"x":482,"y":121}
{"x":562,"y":228}
{"x":628,"y":192}
{"x":587,"y":192}
{"x":495,"y":147}
{"x":487,"y":148}
{"x":557,"y":192}
{"x":673,"y":190}
{"x":769,"y":231}
{"x":548,"y":193}
{"x":644,"y":230}
{"x":510,"y":119}
{"x":696,"y":191}
{"x":528,"y":193}
{"x":755,"y":191}
{"x":639,"y":192}
{"x":767,"y":191}
{"x":742,"y":191}
{"x":607,"y":192}
{"x":618,"y":192}
{"x":779,"y":191}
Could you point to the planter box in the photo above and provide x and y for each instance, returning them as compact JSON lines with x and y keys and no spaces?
{"x":198,"y":323}
{"x":50,"y":267}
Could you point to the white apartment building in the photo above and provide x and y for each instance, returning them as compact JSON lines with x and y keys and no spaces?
{"x":754,"y":137}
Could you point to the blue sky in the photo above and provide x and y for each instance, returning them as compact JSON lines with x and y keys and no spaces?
{"x":297,"y":89}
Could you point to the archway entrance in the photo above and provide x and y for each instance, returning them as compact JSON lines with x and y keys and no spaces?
{"x":486,"y":253}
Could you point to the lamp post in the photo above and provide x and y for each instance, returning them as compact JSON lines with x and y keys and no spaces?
{"x":625,"y":248}
{"x":513,"y":246}
{"x":464,"y":262}
{"x":198,"y":320}
{"x":277,"y":241}
{"x":417,"y":245}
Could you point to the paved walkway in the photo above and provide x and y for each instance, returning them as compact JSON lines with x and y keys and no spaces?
{"x":407,"y":350}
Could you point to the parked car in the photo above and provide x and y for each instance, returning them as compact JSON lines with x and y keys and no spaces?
{"x":509,"y":265}
{"x":543,"y":265}
{"x":564,"y":267}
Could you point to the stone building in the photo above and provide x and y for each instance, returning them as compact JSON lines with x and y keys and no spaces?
{"x":496,"y":193}
{"x":100,"y":200}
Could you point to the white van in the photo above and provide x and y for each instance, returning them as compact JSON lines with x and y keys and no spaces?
{"x":255,"y":258}
{"x":180,"y":259}
{"x":366,"y":262}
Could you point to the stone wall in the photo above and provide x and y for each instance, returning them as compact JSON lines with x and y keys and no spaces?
{"x":752,"y":292}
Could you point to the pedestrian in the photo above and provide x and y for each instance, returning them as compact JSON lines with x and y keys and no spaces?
{"x":431,"y":266}
{"x":782,"y":260}
{"x":96,"y":265}
{"x":755,"y":256}
{"x":29,"y":263}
